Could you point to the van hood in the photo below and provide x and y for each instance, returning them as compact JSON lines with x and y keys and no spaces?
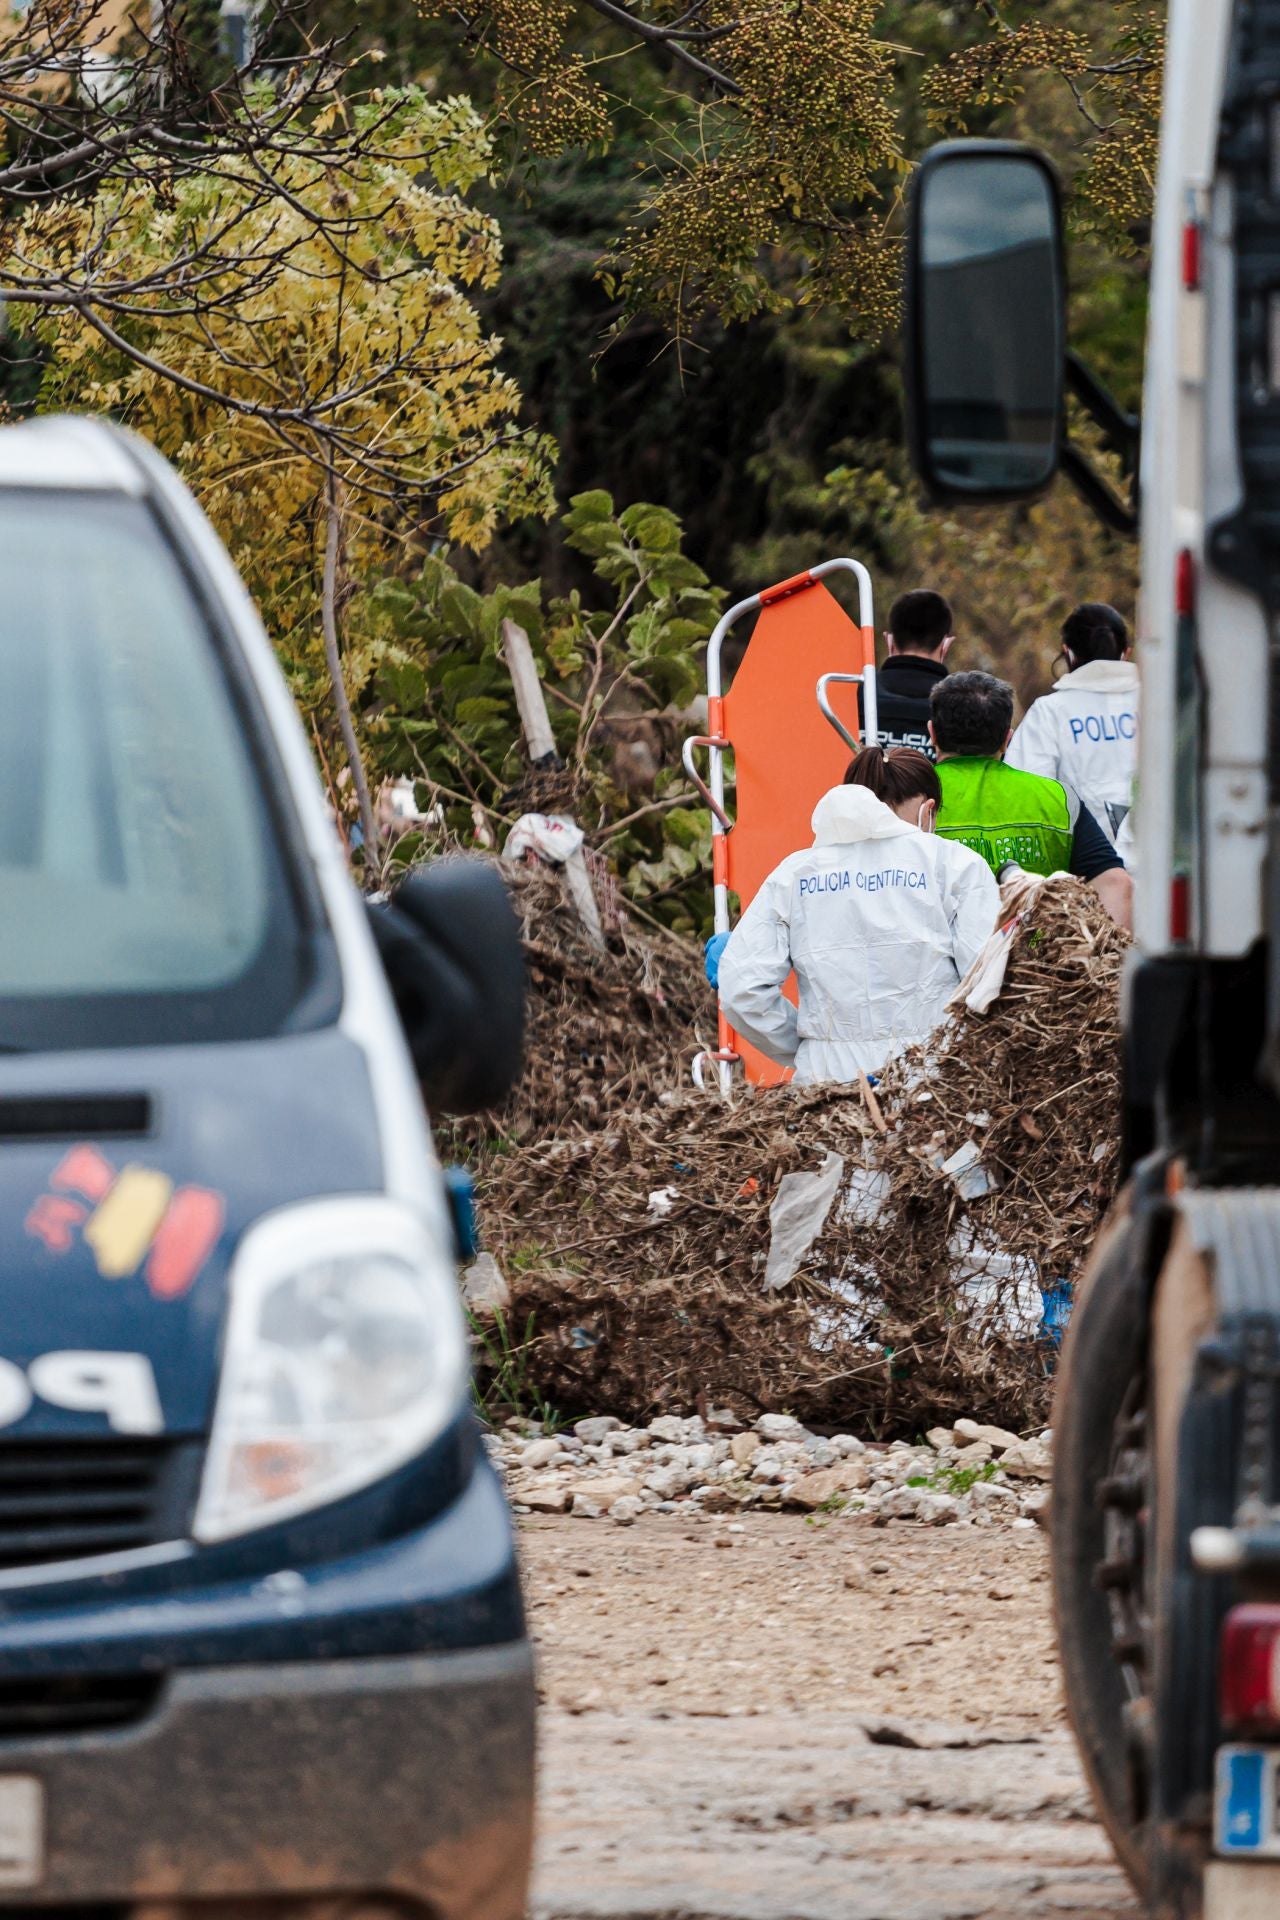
{"x":127,"y":1180}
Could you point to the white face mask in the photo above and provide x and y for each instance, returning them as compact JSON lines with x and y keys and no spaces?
{"x":927,"y":815}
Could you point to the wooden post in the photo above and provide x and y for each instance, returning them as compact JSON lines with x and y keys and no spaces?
{"x":530,"y":700}
{"x":542,"y":750}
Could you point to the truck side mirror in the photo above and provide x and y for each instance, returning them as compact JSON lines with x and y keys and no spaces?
{"x":985,"y":322}
{"x":450,"y":945}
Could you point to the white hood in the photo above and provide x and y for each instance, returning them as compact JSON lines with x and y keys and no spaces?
{"x":849,"y":814}
{"x":1100,"y":676}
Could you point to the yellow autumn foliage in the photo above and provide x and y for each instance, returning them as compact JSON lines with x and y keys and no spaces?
{"x":326,"y":318}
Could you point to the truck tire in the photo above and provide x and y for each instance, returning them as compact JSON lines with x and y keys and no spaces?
{"x":1101,"y":1384}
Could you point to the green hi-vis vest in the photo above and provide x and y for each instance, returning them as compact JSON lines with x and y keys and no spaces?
{"x":1005,"y":814}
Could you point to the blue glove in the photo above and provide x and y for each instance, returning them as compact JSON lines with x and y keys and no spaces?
{"x":715,"y":947}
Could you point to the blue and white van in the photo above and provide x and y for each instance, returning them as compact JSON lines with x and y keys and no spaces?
{"x":261,"y":1634}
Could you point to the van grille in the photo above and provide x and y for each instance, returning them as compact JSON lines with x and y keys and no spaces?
{"x":58,"y":1116}
{"x":67,"y":1499}
{"x":79,"y":1704}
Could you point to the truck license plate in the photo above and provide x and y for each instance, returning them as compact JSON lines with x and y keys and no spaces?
{"x":21,"y":1830}
{"x":1246,"y":1813}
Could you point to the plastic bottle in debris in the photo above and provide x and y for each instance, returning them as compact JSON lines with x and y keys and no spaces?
{"x":1057,"y":1311}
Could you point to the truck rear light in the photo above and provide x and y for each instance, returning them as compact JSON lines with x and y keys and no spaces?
{"x":1179,"y":908}
{"x":1191,"y":256}
{"x":1249,"y":1670}
{"x":1184,"y":585}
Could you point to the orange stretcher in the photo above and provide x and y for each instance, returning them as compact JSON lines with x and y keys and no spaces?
{"x":787,"y":748}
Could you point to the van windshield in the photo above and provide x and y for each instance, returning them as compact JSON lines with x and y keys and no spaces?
{"x":142,"y":895}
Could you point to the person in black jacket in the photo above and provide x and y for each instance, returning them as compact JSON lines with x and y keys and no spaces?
{"x":918,"y":641}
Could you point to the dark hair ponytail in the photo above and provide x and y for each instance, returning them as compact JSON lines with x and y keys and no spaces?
{"x":1094,"y":632}
{"x":898,"y":775}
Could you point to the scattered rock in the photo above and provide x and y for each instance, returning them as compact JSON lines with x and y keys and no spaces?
{"x":828,"y":1484}
{"x":902,"y":1503}
{"x":767,"y":1467}
{"x":544,"y":1499}
{"x":1027,"y":1460}
{"x":670,"y":1481}
{"x":715,"y":1499}
{"x":601,"y":1493}
{"x":692,"y":1465}
{"x":995,"y":1437}
{"x":886,"y":1730}
{"x":991,"y":1493}
{"x":779,"y":1426}
{"x":593,"y":1432}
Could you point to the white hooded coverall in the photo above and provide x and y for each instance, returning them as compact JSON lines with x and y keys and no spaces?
{"x":879,"y":921}
{"x":1085,"y":735}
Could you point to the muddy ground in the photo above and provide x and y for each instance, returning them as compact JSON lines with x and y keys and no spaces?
{"x":783,"y":1718}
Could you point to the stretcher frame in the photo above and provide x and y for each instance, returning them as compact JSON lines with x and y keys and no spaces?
{"x":717,"y":744}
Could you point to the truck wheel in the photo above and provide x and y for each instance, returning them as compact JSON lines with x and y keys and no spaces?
{"x":1098,"y":1526}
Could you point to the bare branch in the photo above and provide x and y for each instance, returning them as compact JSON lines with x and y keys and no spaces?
{"x":662,"y":36}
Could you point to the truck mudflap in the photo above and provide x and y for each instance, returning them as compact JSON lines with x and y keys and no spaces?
{"x":403,"y":1784}
{"x":1215,"y":1370}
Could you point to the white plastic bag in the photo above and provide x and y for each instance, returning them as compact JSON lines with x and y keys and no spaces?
{"x":797,"y":1216}
{"x":981,"y":986}
{"x":552,"y":836}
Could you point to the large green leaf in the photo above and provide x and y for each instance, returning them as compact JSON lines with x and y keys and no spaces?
{"x":402,"y":684}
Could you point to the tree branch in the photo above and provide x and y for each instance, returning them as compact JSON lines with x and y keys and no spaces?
{"x":659,"y":36}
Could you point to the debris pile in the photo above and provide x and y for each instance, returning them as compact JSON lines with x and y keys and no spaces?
{"x":876,"y":1260}
{"x":606,"y":1031}
{"x":969,"y":1474}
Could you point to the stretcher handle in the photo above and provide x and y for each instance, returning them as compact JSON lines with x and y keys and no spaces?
{"x":716,"y":745}
{"x":726,"y":1058}
{"x":828,"y":713}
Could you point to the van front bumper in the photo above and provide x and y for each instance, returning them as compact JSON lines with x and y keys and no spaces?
{"x":409,"y":1777}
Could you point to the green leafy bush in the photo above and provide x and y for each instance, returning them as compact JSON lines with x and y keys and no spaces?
{"x":620,"y":668}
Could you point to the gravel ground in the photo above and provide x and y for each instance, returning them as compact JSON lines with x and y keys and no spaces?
{"x":791,"y":1717}
{"x":965,"y":1474}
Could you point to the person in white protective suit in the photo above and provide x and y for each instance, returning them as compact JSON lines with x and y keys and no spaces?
{"x":1085,"y":733}
{"x":879,"y":919}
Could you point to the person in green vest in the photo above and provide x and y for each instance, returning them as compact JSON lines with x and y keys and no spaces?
{"x":1005,"y":814}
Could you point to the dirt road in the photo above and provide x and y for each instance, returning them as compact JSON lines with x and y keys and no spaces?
{"x":790,"y":1719}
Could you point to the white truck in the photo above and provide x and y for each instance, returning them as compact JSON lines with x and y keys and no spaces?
{"x":1166,"y":1510}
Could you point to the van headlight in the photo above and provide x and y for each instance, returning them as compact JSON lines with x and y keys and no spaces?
{"x":345,"y":1356}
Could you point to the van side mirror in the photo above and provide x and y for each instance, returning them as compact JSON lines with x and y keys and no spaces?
{"x":985,"y":322}
{"x":450,"y":945}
